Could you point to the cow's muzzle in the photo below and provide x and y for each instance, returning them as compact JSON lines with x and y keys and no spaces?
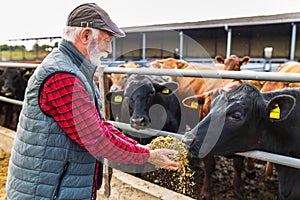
{"x":7,"y":92}
{"x":139,"y":122}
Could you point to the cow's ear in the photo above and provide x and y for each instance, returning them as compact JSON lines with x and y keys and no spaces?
{"x":115,"y":97}
{"x":27,"y":74}
{"x":122,"y":66}
{"x":245,"y":60}
{"x":279,"y":107}
{"x":220,"y":59}
{"x":198,"y":100}
{"x":192,"y":102}
{"x":166,"y":88}
{"x":181,"y":64}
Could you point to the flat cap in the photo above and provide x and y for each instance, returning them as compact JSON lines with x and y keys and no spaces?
{"x":91,"y":15}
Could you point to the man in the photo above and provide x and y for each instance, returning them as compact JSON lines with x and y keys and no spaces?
{"x":61,"y":136}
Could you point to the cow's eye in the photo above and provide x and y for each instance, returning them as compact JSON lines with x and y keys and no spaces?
{"x":236,"y":115}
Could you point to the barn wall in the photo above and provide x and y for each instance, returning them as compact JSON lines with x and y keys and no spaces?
{"x":256,"y":38}
{"x":129,"y":46}
{"x":297,"y":51}
{"x":209,"y":42}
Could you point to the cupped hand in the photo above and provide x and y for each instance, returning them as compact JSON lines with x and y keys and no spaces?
{"x":160,"y":158}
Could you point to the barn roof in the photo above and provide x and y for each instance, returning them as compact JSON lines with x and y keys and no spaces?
{"x":215,"y":23}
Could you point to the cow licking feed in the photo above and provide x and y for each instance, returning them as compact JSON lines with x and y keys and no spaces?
{"x":189,"y":87}
{"x":253,"y":121}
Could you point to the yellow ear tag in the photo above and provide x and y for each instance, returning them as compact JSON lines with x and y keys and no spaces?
{"x":275,"y":113}
{"x":118,"y":99}
{"x":27,"y":72}
{"x":194,"y":105}
{"x":165,"y":91}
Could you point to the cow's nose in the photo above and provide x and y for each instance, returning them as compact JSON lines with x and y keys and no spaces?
{"x":139,"y":122}
{"x":4,"y":89}
{"x":7,"y":91}
{"x":188,"y":139}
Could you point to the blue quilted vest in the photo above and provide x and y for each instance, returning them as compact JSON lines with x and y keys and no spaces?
{"x":45,"y":163}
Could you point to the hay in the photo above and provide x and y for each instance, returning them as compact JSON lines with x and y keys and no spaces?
{"x":181,"y":180}
{"x":4,"y":160}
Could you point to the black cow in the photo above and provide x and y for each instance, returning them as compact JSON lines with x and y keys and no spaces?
{"x":148,"y":102}
{"x":1,"y":84}
{"x":244,"y":119}
{"x":14,"y":85}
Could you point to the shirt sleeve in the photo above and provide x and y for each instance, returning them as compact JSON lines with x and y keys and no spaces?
{"x":64,"y":97}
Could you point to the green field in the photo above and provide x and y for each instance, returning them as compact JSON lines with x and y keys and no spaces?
{"x":20,"y":55}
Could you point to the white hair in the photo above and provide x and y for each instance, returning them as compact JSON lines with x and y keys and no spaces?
{"x":70,"y":33}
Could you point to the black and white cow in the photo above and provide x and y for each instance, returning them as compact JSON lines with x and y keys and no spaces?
{"x":245,"y":119}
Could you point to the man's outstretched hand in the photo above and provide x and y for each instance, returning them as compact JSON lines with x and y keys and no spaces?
{"x":160,"y":158}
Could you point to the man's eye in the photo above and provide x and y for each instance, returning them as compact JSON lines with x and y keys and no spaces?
{"x":108,"y":40}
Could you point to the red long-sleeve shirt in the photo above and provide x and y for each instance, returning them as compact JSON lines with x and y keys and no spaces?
{"x":65,"y":98}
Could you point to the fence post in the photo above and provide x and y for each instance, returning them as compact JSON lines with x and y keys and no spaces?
{"x":104,"y":87}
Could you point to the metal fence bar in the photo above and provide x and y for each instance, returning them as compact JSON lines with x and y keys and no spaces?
{"x":246,"y":75}
{"x":274,"y":158}
{"x":260,"y":155}
{"x":17,"y":65}
{"x":12,"y":101}
{"x":147,"y":131}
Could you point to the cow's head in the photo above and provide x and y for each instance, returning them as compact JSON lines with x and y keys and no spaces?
{"x":140,"y":93}
{"x":119,"y":80}
{"x":234,"y":121}
{"x":169,"y":63}
{"x":15,"y":82}
{"x":233,"y":62}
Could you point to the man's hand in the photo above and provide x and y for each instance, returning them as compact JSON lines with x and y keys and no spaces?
{"x":159,"y":158}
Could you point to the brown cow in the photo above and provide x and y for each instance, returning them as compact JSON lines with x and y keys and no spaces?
{"x":169,"y":63}
{"x":119,"y":80}
{"x":189,"y":86}
{"x":233,"y":62}
{"x":289,"y":67}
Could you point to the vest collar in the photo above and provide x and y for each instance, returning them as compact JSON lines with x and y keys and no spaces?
{"x":78,"y":59}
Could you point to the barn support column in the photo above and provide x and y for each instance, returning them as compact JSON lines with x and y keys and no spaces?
{"x":293,"y":41}
{"x":229,"y":35}
{"x":180,"y":45}
{"x":144,"y":46}
{"x":114,"y":49}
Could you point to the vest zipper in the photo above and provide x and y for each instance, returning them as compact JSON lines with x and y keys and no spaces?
{"x":62,"y":175}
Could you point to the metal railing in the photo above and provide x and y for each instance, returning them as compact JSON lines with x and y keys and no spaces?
{"x":269,"y":76}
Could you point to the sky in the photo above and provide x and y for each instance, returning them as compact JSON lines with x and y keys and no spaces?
{"x":40,"y":18}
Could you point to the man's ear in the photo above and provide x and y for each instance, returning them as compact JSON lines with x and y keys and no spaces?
{"x":279,"y":107}
{"x":85,"y":35}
